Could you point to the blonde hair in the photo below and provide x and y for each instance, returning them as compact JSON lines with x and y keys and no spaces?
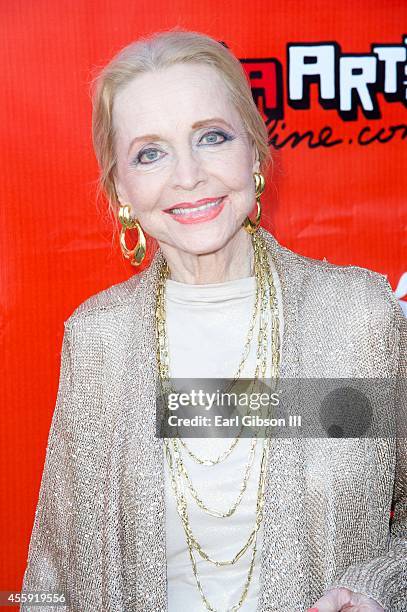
{"x":161,"y":50}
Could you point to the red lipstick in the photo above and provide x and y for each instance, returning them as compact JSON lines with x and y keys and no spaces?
{"x":197,"y":212}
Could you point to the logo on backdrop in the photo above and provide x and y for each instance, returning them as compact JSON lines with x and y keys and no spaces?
{"x":354,"y":85}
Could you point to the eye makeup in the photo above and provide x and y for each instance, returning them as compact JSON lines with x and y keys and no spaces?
{"x":225,"y":135}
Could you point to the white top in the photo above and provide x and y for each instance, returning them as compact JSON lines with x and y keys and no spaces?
{"x":207,"y":327}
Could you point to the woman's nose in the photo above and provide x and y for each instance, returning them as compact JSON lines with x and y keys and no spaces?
{"x":188,"y":170}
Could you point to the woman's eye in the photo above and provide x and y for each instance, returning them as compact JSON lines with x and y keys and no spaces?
{"x":212,"y":137}
{"x":150,"y":156}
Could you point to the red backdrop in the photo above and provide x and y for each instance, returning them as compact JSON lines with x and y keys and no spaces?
{"x":330,"y":196}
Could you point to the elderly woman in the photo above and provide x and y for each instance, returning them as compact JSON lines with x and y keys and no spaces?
{"x":129,"y":521}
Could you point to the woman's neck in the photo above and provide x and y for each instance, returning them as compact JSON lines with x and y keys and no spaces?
{"x":233,"y":261}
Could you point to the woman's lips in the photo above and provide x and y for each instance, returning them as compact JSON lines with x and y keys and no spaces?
{"x":194,"y":215}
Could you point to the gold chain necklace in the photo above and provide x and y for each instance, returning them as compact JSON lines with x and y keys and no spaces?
{"x":162,"y":356}
{"x":263,"y":283}
{"x":191,"y":542}
{"x":183,"y":513}
{"x":183,"y":472}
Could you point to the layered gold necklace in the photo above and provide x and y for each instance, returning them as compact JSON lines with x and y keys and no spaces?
{"x":265,"y":302}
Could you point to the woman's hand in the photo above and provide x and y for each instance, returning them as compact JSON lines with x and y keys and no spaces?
{"x":344,"y":600}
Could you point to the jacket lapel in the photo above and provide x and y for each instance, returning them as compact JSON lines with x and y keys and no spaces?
{"x":142,"y":489}
{"x":283,"y":551}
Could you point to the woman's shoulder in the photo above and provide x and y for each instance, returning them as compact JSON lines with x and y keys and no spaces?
{"x":316,"y":281}
{"x":325,"y":278}
{"x":108,"y":301}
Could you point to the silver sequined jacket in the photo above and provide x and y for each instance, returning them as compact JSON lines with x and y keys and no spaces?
{"x":99,"y":528}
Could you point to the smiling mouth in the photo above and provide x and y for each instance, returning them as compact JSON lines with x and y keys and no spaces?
{"x":206,"y":212}
{"x":189,"y":210}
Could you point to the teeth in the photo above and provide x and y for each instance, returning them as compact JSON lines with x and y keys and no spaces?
{"x":186,"y":211}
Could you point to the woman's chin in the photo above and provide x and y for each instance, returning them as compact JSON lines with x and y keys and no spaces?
{"x":201,"y":239}
{"x":206,"y":244}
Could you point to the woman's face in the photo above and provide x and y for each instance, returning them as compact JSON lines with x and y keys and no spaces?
{"x":180,"y":140}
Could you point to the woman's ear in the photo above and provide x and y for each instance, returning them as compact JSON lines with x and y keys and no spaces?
{"x":120,"y":195}
{"x":256,"y":159}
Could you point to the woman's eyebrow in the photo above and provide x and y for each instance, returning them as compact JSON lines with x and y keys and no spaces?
{"x":194,"y":126}
{"x":144,"y":137}
{"x":204,"y":122}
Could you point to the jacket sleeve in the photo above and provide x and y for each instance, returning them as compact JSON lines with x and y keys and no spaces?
{"x":384,"y":578}
{"x":48,"y":554}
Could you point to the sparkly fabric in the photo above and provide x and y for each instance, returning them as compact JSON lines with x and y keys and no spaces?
{"x":99,"y":528}
{"x":199,"y":318}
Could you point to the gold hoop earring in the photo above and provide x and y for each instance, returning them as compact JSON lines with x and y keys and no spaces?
{"x":249,"y":225}
{"x":137,"y":254}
